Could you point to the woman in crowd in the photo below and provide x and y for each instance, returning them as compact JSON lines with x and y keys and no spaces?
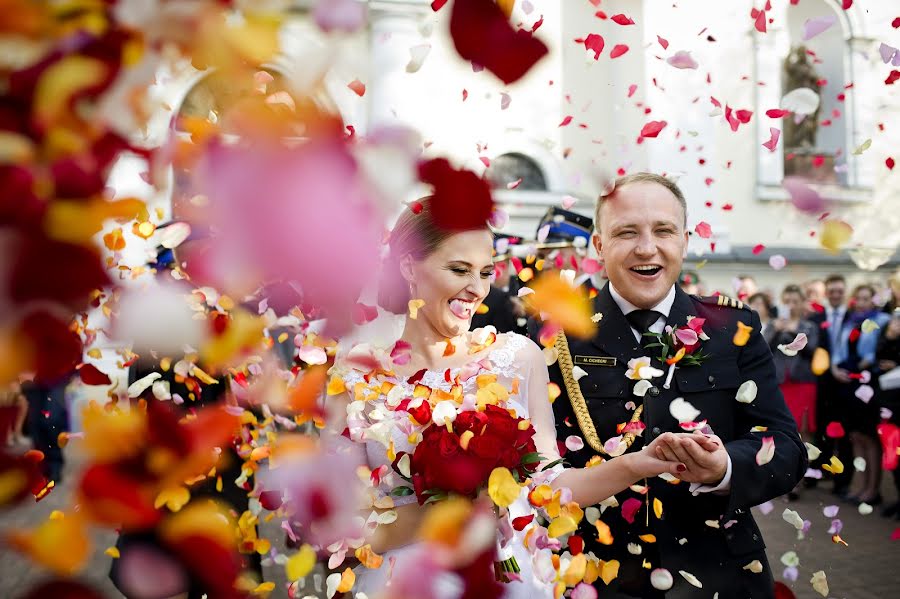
{"x":888,"y":356}
{"x":854,"y":355}
{"x":794,"y":371}
{"x":760,"y":302}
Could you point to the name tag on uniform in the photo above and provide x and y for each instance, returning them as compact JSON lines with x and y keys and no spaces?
{"x":594,"y":361}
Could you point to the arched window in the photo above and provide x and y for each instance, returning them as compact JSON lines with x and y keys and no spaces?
{"x":510,"y":168}
{"x":820,"y":147}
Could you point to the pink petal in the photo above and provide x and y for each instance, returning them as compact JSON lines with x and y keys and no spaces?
{"x":663,"y":42}
{"x":803,"y":197}
{"x":687,"y":336}
{"x":574,"y":443}
{"x":773,"y":140}
{"x":590,"y":266}
{"x":777,"y":262}
{"x":703,"y":230}
{"x":816,"y":25}
{"x":584,"y":591}
{"x":682,"y":60}
{"x":339,"y":15}
{"x":766,"y":451}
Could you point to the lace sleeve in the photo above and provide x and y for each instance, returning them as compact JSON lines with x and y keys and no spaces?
{"x":534,"y":390}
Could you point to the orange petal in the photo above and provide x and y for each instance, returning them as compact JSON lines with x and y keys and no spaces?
{"x":562,"y":304}
{"x":742,"y":335}
{"x":60,"y":544}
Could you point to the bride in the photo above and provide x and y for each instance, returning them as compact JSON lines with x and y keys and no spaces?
{"x":450,"y":272}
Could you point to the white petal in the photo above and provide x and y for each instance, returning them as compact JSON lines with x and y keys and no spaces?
{"x":766,"y":451}
{"x":641,"y":387}
{"x":682,"y":411}
{"x":802,"y":100}
{"x":691,"y":579}
{"x":661,"y":579}
{"x":755,"y":566}
{"x":578,"y":372}
{"x":140,"y":385}
{"x":812,"y":452}
{"x":746,"y":393}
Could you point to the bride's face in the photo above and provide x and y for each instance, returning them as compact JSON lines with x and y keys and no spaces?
{"x":453,"y":281}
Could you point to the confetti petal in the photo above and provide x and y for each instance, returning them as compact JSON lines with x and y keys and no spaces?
{"x":661,"y":579}
{"x":816,"y":25}
{"x":682,"y":60}
{"x":682,"y":410}
{"x":792,"y":348}
{"x":766,"y":451}
{"x":820,"y":583}
{"x":691,"y":579}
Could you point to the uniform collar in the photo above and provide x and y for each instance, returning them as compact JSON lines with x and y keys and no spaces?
{"x":663,"y":307}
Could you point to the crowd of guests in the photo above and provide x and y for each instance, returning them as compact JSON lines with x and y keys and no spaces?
{"x":844,"y":405}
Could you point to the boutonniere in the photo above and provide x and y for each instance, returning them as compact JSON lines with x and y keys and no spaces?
{"x":680,"y":345}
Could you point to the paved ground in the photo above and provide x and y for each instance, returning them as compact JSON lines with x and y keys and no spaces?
{"x":868,"y":569}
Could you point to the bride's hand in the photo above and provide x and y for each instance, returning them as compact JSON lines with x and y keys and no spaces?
{"x":646,"y":464}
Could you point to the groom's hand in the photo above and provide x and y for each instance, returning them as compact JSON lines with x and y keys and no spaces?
{"x":704,"y":456}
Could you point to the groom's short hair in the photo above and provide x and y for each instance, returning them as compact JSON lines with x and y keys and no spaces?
{"x":642,"y":177}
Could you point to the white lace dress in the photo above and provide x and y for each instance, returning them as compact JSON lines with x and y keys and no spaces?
{"x":511,"y":357}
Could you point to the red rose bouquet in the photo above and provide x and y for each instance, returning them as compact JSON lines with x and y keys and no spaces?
{"x":458,"y":458}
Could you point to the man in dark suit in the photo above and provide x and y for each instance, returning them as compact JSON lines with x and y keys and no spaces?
{"x":828,"y":397}
{"x":699,"y":529}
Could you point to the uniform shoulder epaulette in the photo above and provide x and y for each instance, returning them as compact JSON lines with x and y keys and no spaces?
{"x":723,"y":300}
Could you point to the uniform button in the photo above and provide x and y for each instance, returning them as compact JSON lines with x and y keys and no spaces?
{"x":653,"y":391}
{"x":656,"y":430}
{"x":755,"y":537}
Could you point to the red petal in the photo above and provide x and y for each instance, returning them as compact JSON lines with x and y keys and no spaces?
{"x":653,"y":128}
{"x":438,"y":5}
{"x":461,"y":199}
{"x":483,"y":35}
{"x":622,"y":20}
{"x":777,"y":113}
{"x":618,"y":50}
{"x":663,"y":42}
{"x":758,"y":248}
{"x":889,"y":163}
{"x":58,"y":348}
{"x":594,"y":42}
{"x":90,"y":375}
{"x":521,"y":522}
{"x":358,"y":87}
{"x":566,"y":121}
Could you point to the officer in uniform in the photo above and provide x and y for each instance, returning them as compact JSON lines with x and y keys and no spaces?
{"x":701,"y":524}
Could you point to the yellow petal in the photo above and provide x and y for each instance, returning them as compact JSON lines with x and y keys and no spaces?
{"x":203,"y":518}
{"x":112,"y":552}
{"x":576,"y":570}
{"x":60,"y":82}
{"x":174,"y":499}
{"x":301,"y":563}
{"x":414,"y":306}
{"x":444,"y":522}
{"x":609,"y":570}
{"x":820,"y":361}
{"x":742,"y":335}
{"x":369,"y":558}
{"x":561,"y":526}
{"x":60,"y":544}
{"x":835,"y":467}
{"x":263,"y":588}
{"x":835,"y":233}
{"x":348,"y":578}
{"x":502,"y":487}
{"x":657,"y":507}
{"x":336,"y":386}
{"x":604,"y":535}
{"x":562,"y":305}
{"x":507,"y":7}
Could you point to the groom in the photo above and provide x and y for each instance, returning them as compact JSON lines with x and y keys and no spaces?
{"x":698,"y":529}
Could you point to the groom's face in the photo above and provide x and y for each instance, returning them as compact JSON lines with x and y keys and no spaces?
{"x":642,"y":241}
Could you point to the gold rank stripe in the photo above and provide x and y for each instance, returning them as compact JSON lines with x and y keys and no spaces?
{"x":730,"y":302}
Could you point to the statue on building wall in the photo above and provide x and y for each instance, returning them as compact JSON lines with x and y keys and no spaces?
{"x":799,"y":72}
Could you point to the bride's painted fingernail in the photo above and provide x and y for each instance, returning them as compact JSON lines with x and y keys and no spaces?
{"x":681,"y":467}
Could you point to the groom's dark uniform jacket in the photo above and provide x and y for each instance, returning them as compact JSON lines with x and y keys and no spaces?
{"x":710,"y":535}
